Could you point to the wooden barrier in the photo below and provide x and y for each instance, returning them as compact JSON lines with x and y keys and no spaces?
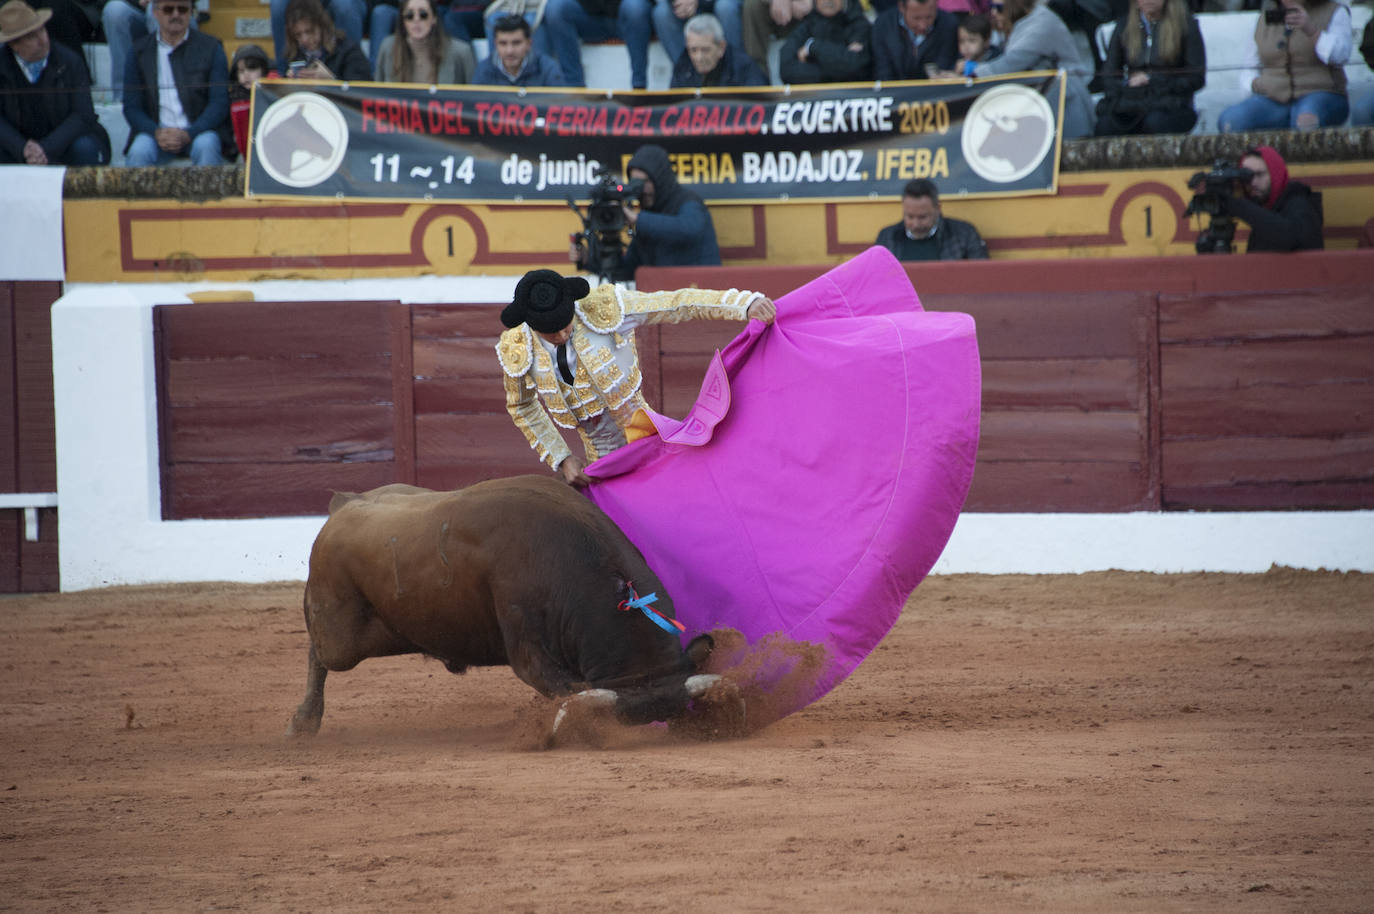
{"x":28,"y":462}
{"x":1121,"y":385}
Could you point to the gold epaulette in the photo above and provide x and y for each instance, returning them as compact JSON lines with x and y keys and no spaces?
{"x":515,"y":350}
{"x":601,"y":309}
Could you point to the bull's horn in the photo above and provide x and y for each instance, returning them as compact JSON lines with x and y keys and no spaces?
{"x":698,"y":684}
{"x":593,"y":698}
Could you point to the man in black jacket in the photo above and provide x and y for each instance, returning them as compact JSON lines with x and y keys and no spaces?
{"x":925,"y":234}
{"x":912,"y":35}
{"x":46,"y":115}
{"x":710,"y":61}
{"x":831,"y":44}
{"x":192,"y":121}
{"x":1283,"y":215}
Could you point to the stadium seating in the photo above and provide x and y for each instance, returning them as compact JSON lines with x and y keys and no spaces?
{"x":1228,"y":36}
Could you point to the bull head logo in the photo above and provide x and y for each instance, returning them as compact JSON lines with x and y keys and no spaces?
{"x":1015,"y":140}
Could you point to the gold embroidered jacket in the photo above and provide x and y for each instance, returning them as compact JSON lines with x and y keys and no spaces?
{"x":605,"y":392}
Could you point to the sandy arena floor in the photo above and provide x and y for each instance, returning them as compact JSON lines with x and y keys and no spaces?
{"x":1106,"y":742}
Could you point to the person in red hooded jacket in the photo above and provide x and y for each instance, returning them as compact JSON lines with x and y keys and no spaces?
{"x":1283,"y":214}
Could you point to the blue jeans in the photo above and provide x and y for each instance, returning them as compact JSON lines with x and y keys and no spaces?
{"x":124,"y":24}
{"x":1362,"y":110}
{"x":347,"y":16}
{"x":381,"y":22}
{"x":668,"y":27}
{"x":1259,"y":112}
{"x":567,"y":24}
{"x":144,"y":151}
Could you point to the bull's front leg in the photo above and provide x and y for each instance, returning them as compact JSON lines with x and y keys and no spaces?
{"x":306,"y":720}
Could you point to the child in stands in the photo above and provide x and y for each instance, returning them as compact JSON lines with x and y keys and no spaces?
{"x":975,"y":43}
{"x":248,"y":66}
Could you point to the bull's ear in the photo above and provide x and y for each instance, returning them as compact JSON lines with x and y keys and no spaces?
{"x":699,"y":649}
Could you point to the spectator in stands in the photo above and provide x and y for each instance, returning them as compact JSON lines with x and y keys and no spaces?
{"x":670,"y":18}
{"x":1155,"y":62}
{"x":46,"y":115}
{"x":1362,"y":108}
{"x":762,"y":20}
{"x":462,"y":20}
{"x":925,"y":234}
{"x":124,"y":22}
{"x":315,"y":49}
{"x":249,"y":65}
{"x":914,"y":40}
{"x":513,"y":60}
{"x":1037,"y":39}
{"x":832,"y":44}
{"x":567,"y":23}
{"x":346,"y":15}
{"x":1296,"y":70}
{"x":532,"y":11}
{"x":421,"y":51}
{"x":709,"y":60}
{"x":975,"y":44}
{"x":1283,"y":214}
{"x":671,"y":226}
{"x":175,"y":99}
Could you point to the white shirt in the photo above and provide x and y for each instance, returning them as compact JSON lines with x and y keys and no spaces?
{"x":169,"y":111}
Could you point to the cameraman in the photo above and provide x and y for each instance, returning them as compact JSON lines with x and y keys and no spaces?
{"x":670,"y":228}
{"x":1283,"y":215}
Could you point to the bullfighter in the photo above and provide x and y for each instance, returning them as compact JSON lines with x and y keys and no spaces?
{"x":569,"y":358}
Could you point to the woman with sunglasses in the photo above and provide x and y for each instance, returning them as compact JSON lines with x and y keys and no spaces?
{"x":1155,"y":62}
{"x":315,"y":49}
{"x":421,"y":51}
{"x":1037,"y":39}
{"x":1296,"y":69}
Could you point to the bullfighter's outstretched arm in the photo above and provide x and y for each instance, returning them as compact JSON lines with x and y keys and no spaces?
{"x":533,"y":420}
{"x":613,"y":308}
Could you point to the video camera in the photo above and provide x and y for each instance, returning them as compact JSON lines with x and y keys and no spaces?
{"x":604,"y":223}
{"x":1217,"y":186}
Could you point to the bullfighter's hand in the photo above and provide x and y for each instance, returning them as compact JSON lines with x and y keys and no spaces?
{"x":571,"y":471}
{"x":34,"y":154}
{"x":762,"y":309}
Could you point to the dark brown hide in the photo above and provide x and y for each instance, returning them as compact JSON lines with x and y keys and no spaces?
{"x":522,"y":571}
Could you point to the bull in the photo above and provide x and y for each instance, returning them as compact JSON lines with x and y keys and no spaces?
{"x":523,"y":571}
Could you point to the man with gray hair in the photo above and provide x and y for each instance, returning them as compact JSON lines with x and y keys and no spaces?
{"x":709,"y":60}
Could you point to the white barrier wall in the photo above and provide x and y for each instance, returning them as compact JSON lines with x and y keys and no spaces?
{"x":109,"y":505}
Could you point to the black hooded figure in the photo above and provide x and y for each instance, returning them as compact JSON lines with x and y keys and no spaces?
{"x":673,"y":226}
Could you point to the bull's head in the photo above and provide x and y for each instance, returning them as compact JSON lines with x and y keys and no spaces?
{"x":697,"y":703}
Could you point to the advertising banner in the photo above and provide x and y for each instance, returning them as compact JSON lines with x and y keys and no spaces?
{"x":376,"y":141}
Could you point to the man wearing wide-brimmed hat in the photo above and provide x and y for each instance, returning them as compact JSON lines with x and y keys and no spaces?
{"x":46,"y":115}
{"x":573,"y":348}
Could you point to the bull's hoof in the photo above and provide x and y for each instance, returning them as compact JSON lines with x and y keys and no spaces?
{"x":303,"y":723}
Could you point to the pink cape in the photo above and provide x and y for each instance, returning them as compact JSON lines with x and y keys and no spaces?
{"x":820,"y":473}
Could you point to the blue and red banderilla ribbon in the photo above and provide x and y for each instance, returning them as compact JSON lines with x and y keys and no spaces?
{"x":671,"y":626}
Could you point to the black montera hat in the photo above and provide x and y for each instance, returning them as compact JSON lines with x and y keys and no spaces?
{"x":544,"y":300}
